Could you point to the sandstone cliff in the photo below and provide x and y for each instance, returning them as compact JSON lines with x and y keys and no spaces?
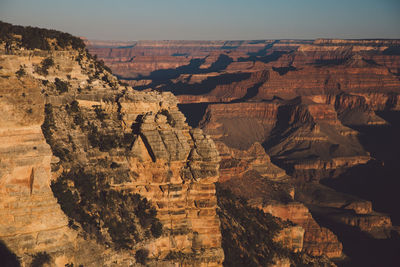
{"x":93,"y":173}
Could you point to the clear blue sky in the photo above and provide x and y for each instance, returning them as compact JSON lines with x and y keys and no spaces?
{"x":209,"y":19}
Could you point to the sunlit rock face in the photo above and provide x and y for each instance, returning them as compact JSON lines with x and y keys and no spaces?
{"x":31,"y":220}
{"x":95,"y":173}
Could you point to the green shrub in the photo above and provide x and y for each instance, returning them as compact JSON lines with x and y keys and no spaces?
{"x":248,"y":241}
{"x":100,"y":114}
{"x":87,"y":199}
{"x":74,"y":106}
{"x":78,"y":119}
{"x":21,"y":72}
{"x":114,"y":165}
{"x":48,"y":123}
{"x":79,"y":58}
{"x":61,"y":86}
{"x":61,"y":152}
{"x":179,"y":255}
{"x":141,"y":256}
{"x":105,"y":142}
{"x":44,"y":66}
{"x":156,"y":229}
{"x":36,"y":38}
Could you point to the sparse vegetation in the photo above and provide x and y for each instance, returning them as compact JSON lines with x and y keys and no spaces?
{"x":61,"y":86}
{"x":100,"y":114}
{"x":37,"y":38}
{"x":114,"y":165}
{"x":21,"y":72}
{"x":44,"y":66}
{"x":40,"y":258}
{"x":247,"y":233}
{"x":125,"y":215}
{"x":78,"y":119}
{"x":156,"y":229}
{"x":142,"y":256}
{"x":48,"y":123}
{"x":74,"y":107}
{"x":105,"y":142}
{"x":61,"y":152}
{"x":79,"y":58}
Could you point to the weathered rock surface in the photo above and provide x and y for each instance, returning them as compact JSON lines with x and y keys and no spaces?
{"x":318,"y":240}
{"x":344,"y":209}
{"x":251,"y":175}
{"x":305,"y":137}
{"x":31,"y":219}
{"x":249,"y":236}
{"x":70,"y":169}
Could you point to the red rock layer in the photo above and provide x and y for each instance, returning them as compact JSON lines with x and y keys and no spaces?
{"x":288,"y":68}
{"x":135,"y":59}
{"x":317,"y":240}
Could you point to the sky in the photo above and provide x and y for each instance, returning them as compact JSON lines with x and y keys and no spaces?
{"x":130,"y":20}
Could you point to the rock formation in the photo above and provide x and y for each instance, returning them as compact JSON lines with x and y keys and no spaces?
{"x":95,"y":174}
{"x":285,"y":115}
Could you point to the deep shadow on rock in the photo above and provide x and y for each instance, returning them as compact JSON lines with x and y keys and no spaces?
{"x":7,"y":257}
{"x":378,"y":180}
{"x":362,"y":249}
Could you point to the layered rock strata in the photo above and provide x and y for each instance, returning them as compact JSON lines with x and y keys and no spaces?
{"x":270,"y":190}
{"x":306,"y":137}
{"x":71,"y":134}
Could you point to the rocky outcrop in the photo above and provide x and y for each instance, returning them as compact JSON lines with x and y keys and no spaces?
{"x":344,"y":209}
{"x":176,"y":169}
{"x":255,"y":121}
{"x":31,"y":219}
{"x":251,"y":175}
{"x":235,"y":163}
{"x":306,"y":137}
{"x":93,"y":173}
{"x":252,"y":238}
{"x":318,"y":240}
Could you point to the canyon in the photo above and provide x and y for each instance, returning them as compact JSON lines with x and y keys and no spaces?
{"x":95,"y":173}
{"x":305,"y":129}
{"x":198,"y":153}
